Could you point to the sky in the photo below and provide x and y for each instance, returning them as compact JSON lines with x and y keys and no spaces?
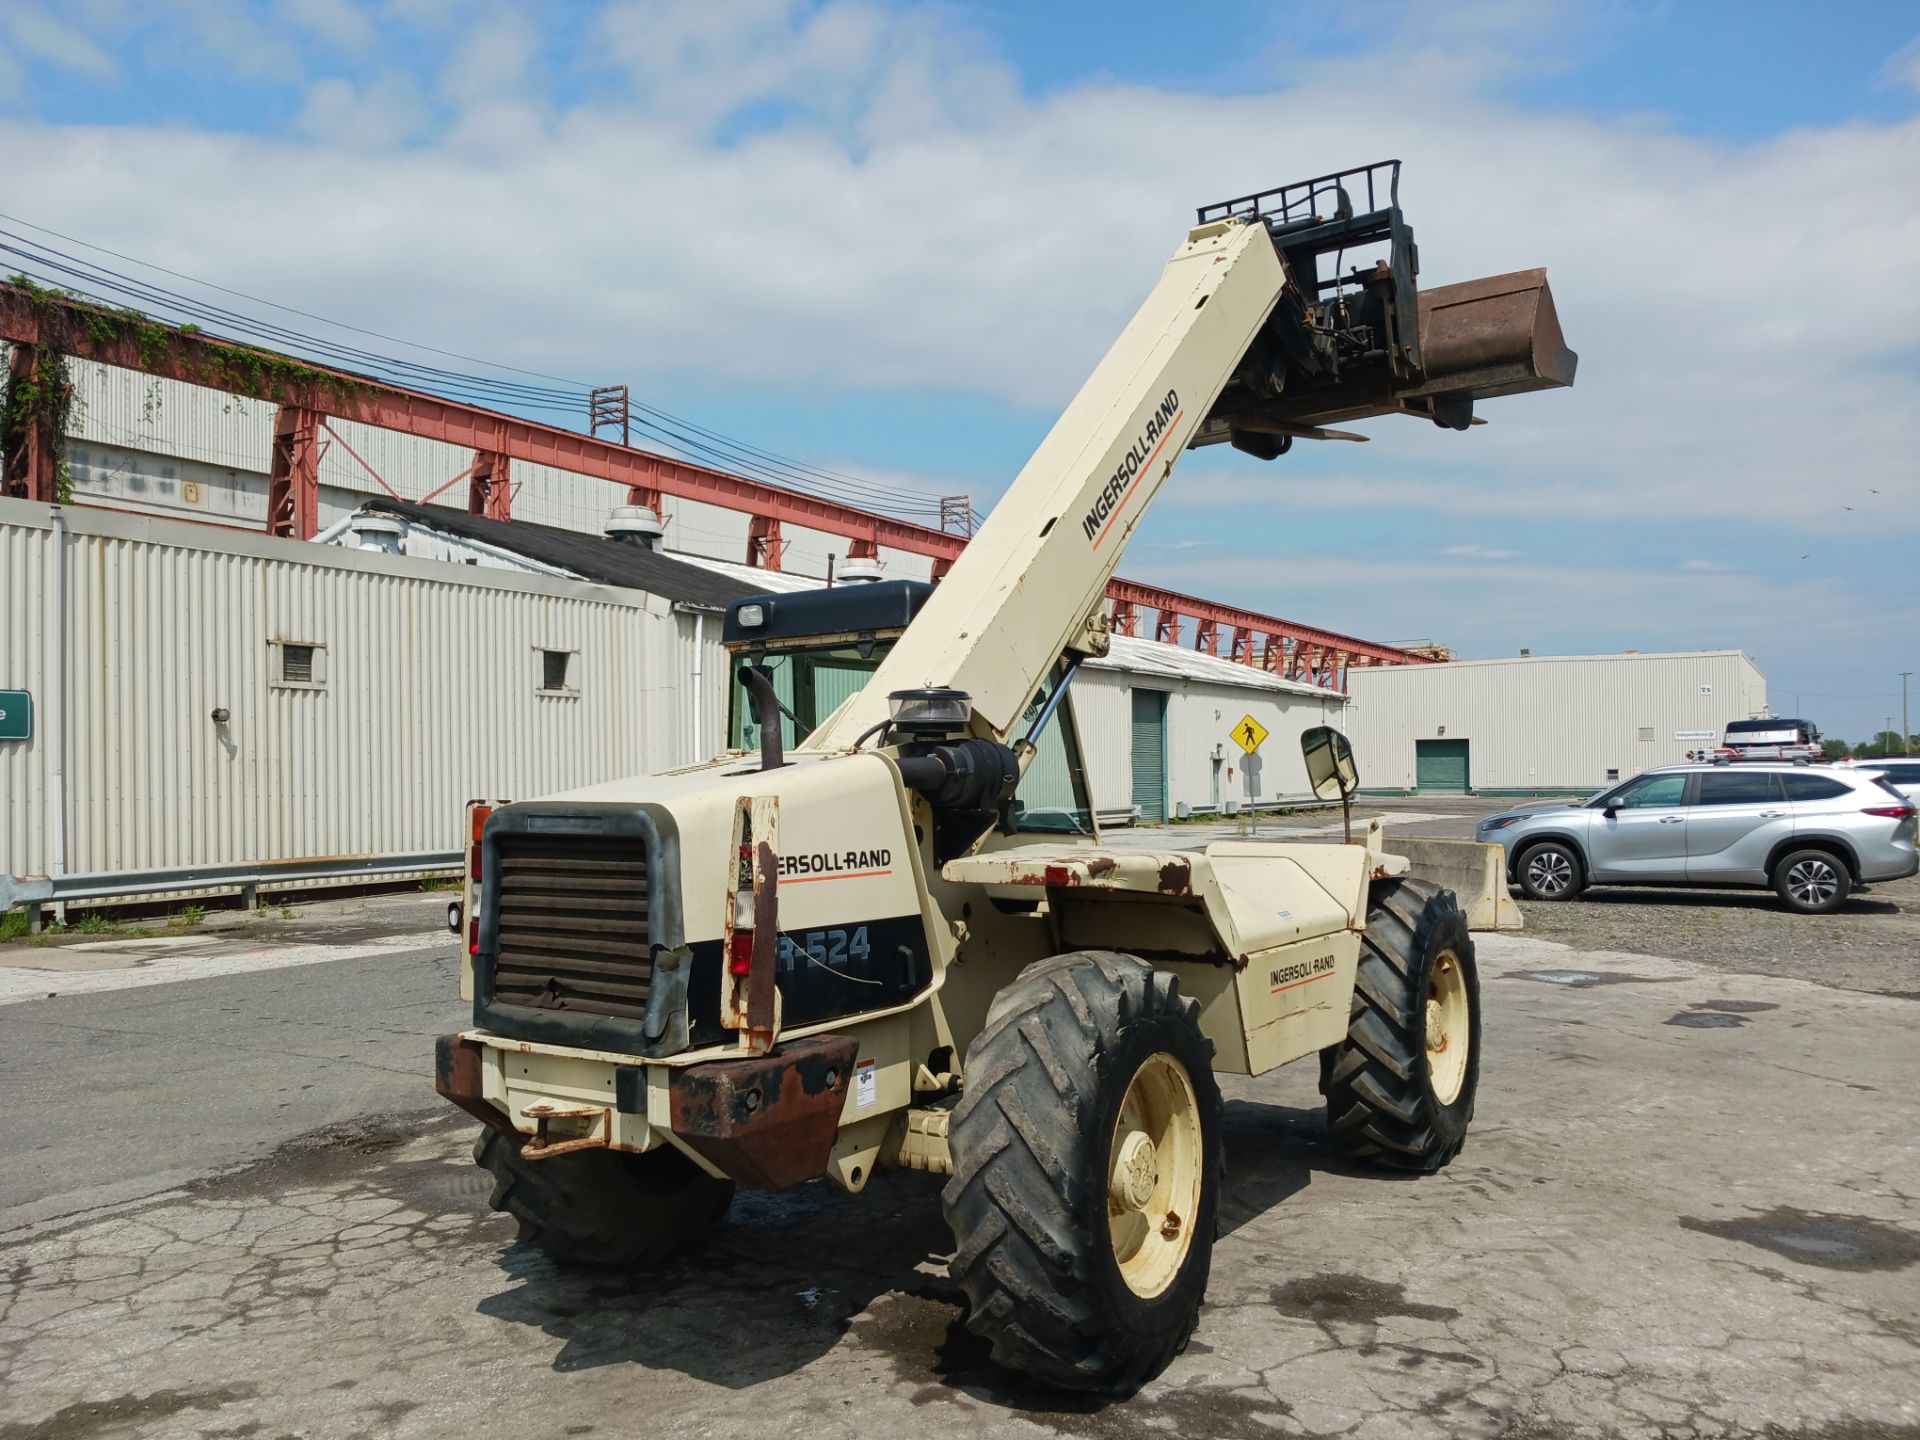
{"x":893,"y":239}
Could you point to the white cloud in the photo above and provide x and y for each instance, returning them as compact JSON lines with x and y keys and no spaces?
{"x":216,"y":35}
{"x":1903,"y":67}
{"x":1479,"y":552}
{"x":385,"y":110}
{"x":845,"y":197}
{"x":34,"y":33}
{"x":492,"y":60}
{"x":340,"y":23}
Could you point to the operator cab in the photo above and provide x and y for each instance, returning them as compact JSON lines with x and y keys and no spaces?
{"x":822,"y":646}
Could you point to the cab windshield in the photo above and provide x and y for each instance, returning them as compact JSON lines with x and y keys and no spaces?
{"x":812,"y":683}
{"x":1052,"y":798}
{"x":815,"y":681}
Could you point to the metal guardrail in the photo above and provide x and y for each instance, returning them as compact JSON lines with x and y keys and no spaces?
{"x":31,"y":892}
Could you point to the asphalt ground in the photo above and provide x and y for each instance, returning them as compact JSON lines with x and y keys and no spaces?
{"x":230,"y":1205}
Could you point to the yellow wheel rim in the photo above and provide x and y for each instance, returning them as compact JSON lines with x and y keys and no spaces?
{"x":1449,"y":1028}
{"x":1154,"y":1174}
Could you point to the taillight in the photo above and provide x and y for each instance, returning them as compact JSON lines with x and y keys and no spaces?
{"x":1889,"y":812}
{"x":473,"y":936}
{"x":476,"y":825}
{"x":740,"y":944}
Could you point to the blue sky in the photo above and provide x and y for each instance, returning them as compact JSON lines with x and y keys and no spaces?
{"x":892,"y":239}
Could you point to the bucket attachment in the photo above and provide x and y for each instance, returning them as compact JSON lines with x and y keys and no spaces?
{"x":1364,"y":340}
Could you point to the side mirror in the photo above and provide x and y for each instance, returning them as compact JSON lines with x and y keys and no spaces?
{"x":1330,"y":769}
{"x":1612,"y":809}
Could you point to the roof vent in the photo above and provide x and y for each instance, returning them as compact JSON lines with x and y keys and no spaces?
{"x":635,"y":525}
{"x":858,"y":570}
{"x":379,"y":532}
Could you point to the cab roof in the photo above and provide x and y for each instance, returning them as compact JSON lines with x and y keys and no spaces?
{"x":839,"y":610}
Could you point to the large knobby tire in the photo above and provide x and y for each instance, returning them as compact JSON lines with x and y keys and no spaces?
{"x":1086,"y":1151}
{"x":1812,"y":882}
{"x":602,"y":1207}
{"x":1550,"y":870}
{"x":1400,"y":1087}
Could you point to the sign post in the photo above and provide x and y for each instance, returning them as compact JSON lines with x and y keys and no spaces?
{"x":1247,"y":733}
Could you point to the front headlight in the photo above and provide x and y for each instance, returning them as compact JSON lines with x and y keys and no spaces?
{"x":1501,"y":822}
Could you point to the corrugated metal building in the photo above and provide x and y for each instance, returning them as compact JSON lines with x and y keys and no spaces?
{"x":228,"y":698}
{"x":367,"y":697}
{"x":1543,"y":724}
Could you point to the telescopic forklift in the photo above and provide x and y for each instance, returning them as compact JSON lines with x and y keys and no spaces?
{"x":891,"y":938}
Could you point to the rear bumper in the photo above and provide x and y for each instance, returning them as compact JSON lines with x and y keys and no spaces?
{"x":768,"y":1121}
{"x":1895,"y":866}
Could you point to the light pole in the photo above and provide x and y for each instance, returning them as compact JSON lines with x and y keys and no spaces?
{"x":1905,"y":675}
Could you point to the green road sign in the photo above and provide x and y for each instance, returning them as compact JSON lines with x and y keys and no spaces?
{"x":16,"y":715}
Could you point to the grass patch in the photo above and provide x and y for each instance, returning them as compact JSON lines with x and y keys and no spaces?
{"x":94,"y":923}
{"x":13,"y":925}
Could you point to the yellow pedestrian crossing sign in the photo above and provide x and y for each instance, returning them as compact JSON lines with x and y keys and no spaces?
{"x":1249,"y":733}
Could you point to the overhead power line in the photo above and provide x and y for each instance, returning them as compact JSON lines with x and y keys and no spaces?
{"x":115,"y":289}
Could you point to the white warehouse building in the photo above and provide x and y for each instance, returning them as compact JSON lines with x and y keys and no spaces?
{"x":1547,"y":724}
{"x":1154,"y":718}
{"x":1156,"y":722}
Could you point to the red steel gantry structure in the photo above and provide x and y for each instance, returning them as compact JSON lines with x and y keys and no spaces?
{"x":36,"y":322}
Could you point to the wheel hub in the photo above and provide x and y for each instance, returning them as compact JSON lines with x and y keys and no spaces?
{"x":1155,"y":1175}
{"x":1449,"y":1028}
{"x":1136,"y":1170}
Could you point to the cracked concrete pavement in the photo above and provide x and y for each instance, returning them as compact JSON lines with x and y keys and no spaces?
{"x":1690,"y":1205}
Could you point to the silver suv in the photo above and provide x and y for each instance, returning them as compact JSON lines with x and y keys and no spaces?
{"x":1814,"y":833}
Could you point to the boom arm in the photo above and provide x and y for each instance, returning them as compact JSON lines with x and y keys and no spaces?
{"x":1023,"y":588}
{"x":1243,"y":340}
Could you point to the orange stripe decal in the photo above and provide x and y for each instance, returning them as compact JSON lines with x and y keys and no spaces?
{"x":1121,"y":503}
{"x":850,"y":875}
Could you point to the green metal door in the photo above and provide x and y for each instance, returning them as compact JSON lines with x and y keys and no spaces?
{"x":1150,"y":753}
{"x":1440,"y":764}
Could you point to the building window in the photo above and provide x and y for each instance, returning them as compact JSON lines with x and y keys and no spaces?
{"x":297,"y":665}
{"x":1646,"y":732}
{"x":557,"y":675}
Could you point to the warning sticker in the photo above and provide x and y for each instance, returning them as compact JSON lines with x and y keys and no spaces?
{"x":864,"y":1089}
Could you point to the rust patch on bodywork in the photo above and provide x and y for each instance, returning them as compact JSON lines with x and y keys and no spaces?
{"x":768,"y":1121}
{"x":762,"y":967}
{"x":456,"y":1075}
{"x":1176,"y":877}
{"x":1101,"y":865}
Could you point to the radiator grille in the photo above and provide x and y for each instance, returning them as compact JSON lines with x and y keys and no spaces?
{"x":572,"y":931}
